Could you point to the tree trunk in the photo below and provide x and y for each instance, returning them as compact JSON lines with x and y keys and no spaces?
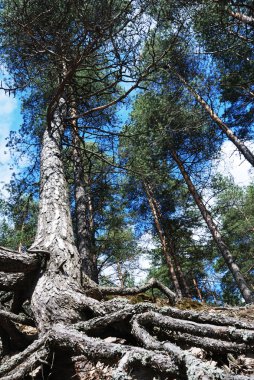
{"x":84,"y":215}
{"x":249,"y":20}
{"x":233,"y":267}
{"x":120,"y":274}
{"x":54,"y":229}
{"x":180,"y":275}
{"x":164,"y":245}
{"x":199,"y":294}
{"x":225,"y":129}
{"x":55,"y":235}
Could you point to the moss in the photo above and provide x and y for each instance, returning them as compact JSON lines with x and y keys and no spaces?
{"x":187,"y":303}
{"x":142,"y":297}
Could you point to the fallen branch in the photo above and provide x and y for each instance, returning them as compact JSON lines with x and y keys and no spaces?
{"x":152,"y":284}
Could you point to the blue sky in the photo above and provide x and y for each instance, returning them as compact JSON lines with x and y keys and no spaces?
{"x":10,"y":119}
{"x":231,"y":164}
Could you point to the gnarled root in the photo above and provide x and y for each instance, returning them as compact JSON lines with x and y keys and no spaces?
{"x":156,"y":341}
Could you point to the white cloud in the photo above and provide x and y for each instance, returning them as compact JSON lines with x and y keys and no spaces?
{"x":147,"y":242}
{"x":232,"y":163}
{"x":7,"y":104}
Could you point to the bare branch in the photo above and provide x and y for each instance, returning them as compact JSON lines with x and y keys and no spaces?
{"x":153,"y":283}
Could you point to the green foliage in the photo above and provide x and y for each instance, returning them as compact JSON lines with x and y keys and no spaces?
{"x":234,"y":208}
{"x":18,"y":223}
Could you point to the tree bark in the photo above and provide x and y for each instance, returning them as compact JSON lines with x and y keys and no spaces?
{"x":55,"y":234}
{"x":241,"y":17}
{"x":199,"y":294}
{"x":233,"y":267}
{"x":83,"y":207}
{"x":164,"y":245}
{"x":180,"y":275}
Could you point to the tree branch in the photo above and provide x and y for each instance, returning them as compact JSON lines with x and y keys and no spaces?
{"x":153,"y":283}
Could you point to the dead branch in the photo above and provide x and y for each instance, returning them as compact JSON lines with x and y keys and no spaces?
{"x":153,"y":283}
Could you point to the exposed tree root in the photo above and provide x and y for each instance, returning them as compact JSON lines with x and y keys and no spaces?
{"x":166,"y":342}
{"x":135,"y":341}
{"x":11,"y":281}
{"x":16,"y":318}
{"x":166,"y":334}
{"x":12,"y":261}
{"x":17,"y":360}
{"x":27,"y":365}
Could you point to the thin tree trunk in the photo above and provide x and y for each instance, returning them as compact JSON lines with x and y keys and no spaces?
{"x":162,"y":236}
{"x":233,"y":267}
{"x":249,"y":20}
{"x":242,"y":17}
{"x":184,"y":286}
{"x":180,"y":274}
{"x":84,"y":217}
{"x":229,"y":133}
{"x":197,"y":290}
{"x":120,"y":274}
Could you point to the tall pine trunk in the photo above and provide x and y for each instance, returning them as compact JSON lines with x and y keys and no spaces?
{"x":162,"y":236}
{"x":62,"y":274}
{"x":83,"y":209}
{"x":84,"y":216}
{"x":180,"y":275}
{"x":229,"y":260}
